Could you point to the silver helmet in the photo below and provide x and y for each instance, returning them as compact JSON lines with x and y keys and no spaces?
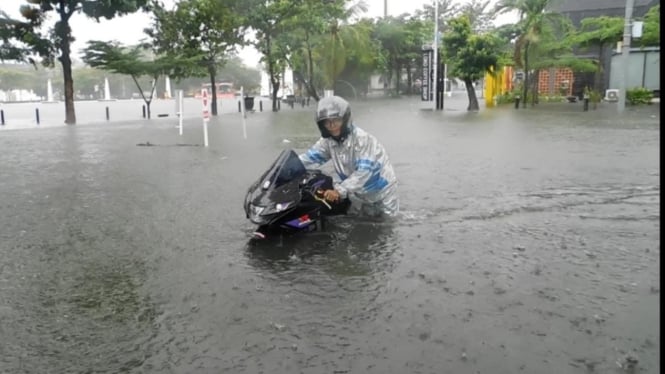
{"x":333,"y":107}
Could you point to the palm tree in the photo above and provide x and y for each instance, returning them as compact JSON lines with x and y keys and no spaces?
{"x":533,"y":15}
{"x":342,"y":37}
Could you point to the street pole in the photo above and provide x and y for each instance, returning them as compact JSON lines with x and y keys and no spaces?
{"x":625,"y":54}
{"x":435,"y":67}
{"x":385,"y":8}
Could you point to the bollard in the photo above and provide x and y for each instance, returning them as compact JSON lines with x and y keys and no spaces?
{"x":260,"y":105}
{"x":517,"y":102}
{"x":2,"y":117}
{"x":302,"y":102}
{"x":586,"y":104}
{"x":107,"y":114}
{"x":37,"y":115}
{"x":279,"y":104}
{"x":144,"y":111}
{"x":239,"y":109}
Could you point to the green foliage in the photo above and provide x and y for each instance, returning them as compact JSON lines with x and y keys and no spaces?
{"x":135,"y":61}
{"x":54,"y":43}
{"x":594,"y":96}
{"x":507,"y":97}
{"x":479,"y":16}
{"x":199,"y":33}
{"x":470,"y":55}
{"x":651,"y":32}
{"x":599,"y":31}
{"x":639,"y":96}
{"x":400,"y":40}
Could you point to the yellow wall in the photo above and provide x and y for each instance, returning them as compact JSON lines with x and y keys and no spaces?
{"x":497,"y":84}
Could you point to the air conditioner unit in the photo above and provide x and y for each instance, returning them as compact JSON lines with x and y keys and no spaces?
{"x":612,"y":94}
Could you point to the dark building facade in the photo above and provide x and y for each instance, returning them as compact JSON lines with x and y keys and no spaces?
{"x":577,"y":10}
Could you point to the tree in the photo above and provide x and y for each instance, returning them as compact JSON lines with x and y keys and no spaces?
{"x":401,"y":41}
{"x":267,"y":19}
{"x":131,"y":61}
{"x":599,"y":31}
{"x":361,"y":62}
{"x":533,"y":16}
{"x":242,"y":76}
{"x":554,"y":50}
{"x":8,"y":50}
{"x":342,"y":39}
{"x":303,"y":45}
{"x":200,"y":34}
{"x":58,"y":39}
{"x":470,"y":55}
{"x":480,"y":18}
{"x":651,"y":34}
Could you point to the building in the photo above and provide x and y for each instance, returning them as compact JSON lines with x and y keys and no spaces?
{"x":577,"y":10}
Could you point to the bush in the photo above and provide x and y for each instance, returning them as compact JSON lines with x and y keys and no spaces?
{"x":505,"y":98}
{"x":638,"y":96}
{"x":553,"y":99}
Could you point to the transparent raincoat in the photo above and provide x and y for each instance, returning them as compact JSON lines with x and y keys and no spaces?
{"x":365,"y":174}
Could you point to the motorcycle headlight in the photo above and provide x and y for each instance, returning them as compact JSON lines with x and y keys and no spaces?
{"x":279,"y":207}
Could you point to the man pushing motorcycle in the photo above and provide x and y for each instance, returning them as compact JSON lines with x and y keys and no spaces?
{"x":366,"y":176}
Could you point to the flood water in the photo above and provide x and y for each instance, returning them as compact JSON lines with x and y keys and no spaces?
{"x":528,"y":241}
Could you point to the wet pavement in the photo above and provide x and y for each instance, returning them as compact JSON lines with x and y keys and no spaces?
{"x":528,"y":241}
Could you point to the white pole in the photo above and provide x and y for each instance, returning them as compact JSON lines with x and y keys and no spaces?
{"x":242,"y":110}
{"x":180,"y":112}
{"x":445,"y":78}
{"x":436,"y":51}
{"x":625,"y":54}
{"x":205,"y":132}
{"x":167,"y":93}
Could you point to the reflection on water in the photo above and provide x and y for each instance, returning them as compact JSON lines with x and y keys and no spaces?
{"x":348,"y":246}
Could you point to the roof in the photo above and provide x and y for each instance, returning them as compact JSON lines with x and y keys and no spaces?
{"x":565,"y":6}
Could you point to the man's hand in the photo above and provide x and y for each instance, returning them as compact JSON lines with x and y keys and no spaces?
{"x":331,"y":195}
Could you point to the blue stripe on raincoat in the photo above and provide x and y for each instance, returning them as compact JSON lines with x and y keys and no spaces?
{"x":315,"y":156}
{"x":375,"y":182}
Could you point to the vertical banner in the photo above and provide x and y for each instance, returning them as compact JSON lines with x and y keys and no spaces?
{"x":206,"y":107}
{"x":426,"y":85}
{"x":206,"y":115}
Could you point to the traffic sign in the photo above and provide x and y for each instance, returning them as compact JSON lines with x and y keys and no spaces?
{"x":204,"y":99}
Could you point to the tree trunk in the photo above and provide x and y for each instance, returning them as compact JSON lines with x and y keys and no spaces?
{"x":212,"y":71}
{"x":599,"y":71}
{"x":534,"y":88}
{"x":65,"y":60}
{"x":471,"y":93}
{"x":311,"y":91}
{"x":409,"y":83}
{"x":526,"y":74}
{"x":398,"y":78}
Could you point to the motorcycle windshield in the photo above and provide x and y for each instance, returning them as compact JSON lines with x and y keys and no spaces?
{"x":286,"y":168}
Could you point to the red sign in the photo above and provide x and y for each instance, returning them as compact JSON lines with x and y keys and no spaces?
{"x":204,"y":98}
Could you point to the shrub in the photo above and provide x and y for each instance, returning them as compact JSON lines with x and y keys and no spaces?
{"x":639,"y":95}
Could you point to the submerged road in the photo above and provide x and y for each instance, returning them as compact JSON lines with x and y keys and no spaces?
{"x":528,"y":241}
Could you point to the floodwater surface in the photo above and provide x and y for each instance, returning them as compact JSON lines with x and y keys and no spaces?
{"x":528,"y":241}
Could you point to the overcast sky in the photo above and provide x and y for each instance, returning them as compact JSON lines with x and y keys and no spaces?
{"x":129,"y":29}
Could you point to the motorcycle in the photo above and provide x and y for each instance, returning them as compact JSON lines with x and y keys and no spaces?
{"x":288,"y":198}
